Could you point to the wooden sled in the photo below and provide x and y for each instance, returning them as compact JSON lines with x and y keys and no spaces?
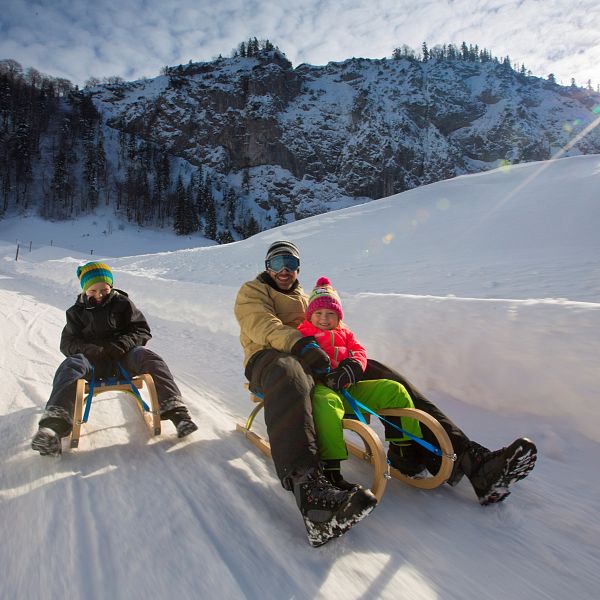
{"x":372,"y":450}
{"x":150,"y":413}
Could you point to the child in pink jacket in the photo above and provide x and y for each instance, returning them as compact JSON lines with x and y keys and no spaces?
{"x":323,"y":321}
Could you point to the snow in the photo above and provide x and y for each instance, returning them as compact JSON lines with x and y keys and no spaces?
{"x":484,"y":290}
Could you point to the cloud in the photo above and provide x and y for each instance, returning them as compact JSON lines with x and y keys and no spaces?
{"x":136,"y":38}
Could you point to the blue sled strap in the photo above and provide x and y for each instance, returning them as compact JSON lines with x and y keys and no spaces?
{"x":357,"y":406}
{"x":134,"y":389}
{"x":88,"y":400}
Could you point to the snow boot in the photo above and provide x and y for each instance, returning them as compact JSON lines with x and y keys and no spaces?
{"x":180,"y":417}
{"x":47,"y":442}
{"x":403,"y":455}
{"x":333,"y":473}
{"x":329,"y":512}
{"x":492,"y":473}
{"x":185,"y":427}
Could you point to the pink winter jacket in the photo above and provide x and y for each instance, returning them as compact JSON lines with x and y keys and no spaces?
{"x":338,"y":343}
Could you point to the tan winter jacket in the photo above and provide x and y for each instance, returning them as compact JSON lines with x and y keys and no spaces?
{"x":268,"y":318}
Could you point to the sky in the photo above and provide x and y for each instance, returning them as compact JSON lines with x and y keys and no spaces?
{"x":137,"y":38}
{"x":483,"y":290}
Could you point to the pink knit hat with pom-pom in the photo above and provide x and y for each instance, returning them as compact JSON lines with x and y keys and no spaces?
{"x":324,"y":296}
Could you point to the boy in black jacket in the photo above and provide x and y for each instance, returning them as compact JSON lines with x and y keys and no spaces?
{"x":104,"y":328}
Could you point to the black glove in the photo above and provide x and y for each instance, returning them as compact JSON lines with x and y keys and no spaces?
{"x":113,"y":351}
{"x":348,"y":372}
{"x":94,"y":353}
{"x":311,"y":356}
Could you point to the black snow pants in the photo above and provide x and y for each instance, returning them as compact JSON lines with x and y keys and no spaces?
{"x":286,"y":389}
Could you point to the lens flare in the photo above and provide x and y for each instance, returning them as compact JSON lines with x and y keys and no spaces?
{"x":387,"y":238}
{"x":590,"y":127}
{"x":422,"y":215}
{"x":443,"y":204}
{"x":569,"y":127}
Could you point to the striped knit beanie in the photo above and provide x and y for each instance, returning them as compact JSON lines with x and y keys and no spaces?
{"x":94,"y":272}
{"x":324,"y":296}
{"x":282,"y":247}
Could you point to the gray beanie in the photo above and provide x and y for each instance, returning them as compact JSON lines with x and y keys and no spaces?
{"x":282,"y":247}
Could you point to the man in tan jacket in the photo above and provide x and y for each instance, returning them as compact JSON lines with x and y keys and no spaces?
{"x":281,"y":365}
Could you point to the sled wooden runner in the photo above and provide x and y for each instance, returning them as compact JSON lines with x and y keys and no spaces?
{"x":443,"y":443}
{"x":372,"y":450}
{"x":151,"y":416}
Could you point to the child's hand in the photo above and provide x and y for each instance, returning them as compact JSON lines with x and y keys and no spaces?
{"x":113,"y":351}
{"x":93,"y":353}
{"x":348,"y":372}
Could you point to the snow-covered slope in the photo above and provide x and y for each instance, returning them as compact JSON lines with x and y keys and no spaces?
{"x":483,"y":290}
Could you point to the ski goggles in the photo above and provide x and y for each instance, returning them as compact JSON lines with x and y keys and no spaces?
{"x":283,"y":261}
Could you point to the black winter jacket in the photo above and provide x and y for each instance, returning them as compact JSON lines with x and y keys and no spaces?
{"x":104,"y":332}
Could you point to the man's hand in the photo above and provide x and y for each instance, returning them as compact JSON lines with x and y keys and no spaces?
{"x":311,"y":356}
{"x":348,"y":372}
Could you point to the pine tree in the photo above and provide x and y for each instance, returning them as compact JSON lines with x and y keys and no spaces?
{"x":464,"y":51}
{"x":61,"y":187}
{"x":162,"y":173}
{"x":191,"y":214}
{"x":251,"y":228}
{"x":210,"y":231}
{"x":186,"y":217}
{"x":179,"y":223}
{"x":224,"y":237}
{"x":231,"y":203}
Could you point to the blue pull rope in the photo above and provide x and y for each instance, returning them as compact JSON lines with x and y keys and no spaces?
{"x":88,"y":400}
{"x":357,"y":406}
{"x":136,"y":392}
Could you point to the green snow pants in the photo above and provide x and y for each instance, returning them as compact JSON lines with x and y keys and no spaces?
{"x":329,"y":408}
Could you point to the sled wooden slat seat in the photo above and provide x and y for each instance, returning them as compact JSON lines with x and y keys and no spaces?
{"x":150,"y":413}
{"x":372,"y":450}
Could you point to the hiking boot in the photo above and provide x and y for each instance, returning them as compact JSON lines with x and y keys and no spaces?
{"x":329,"y":512}
{"x":47,"y":442}
{"x":404,"y":456}
{"x":180,"y":417}
{"x":333,"y":473}
{"x":492,"y":473}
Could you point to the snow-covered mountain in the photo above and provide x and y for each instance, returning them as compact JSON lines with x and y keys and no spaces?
{"x":278,"y":143}
{"x":483,"y":290}
{"x":374,"y":126}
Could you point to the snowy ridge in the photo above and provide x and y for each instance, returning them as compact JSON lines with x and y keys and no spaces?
{"x":366,"y":126}
{"x":483,"y":290}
